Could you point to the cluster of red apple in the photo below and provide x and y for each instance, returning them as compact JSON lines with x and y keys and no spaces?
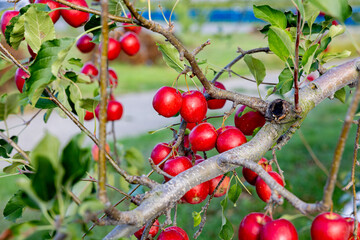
{"x":256,"y":226}
{"x":169,"y":233}
{"x":262,"y":189}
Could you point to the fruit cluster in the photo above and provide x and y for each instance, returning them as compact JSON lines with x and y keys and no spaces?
{"x":257,"y":226}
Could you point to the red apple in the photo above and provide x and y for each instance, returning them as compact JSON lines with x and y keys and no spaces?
{"x":250,"y":176}
{"x":170,"y":235}
{"x":176,"y":165}
{"x":114,"y":110}
{"x":351,"y":224}
{"x":279,"y":229}
{"x":95,"y":151}
{"x":194,"y":106}
{"x":130,"y":43}
{"x":20,"y":78}
{"x":153,"y":230}
{"x":114,"y":49}
{"x":90,"y":70}
{"x":6,"y":17}
{"x":221,"y":129}
{"x":88,"y":115}
{"x":159,"y":152}
{"x":249,"y":121}
{"x":197,"y":194}
{"x":54,"y":15}
{"x":310,"y":78}
{"x":216,"y":103}
{"x":180,"y":230}
{"x":263,"y":190}
{"x":330,"y":226}
{"x":75,"y":18}
{"x":335,"y":23}
{"x":222,"y":189}
{"x":167,"y":101}
{"x":135,"y":29}
{"x":229,"y":139}
{"x":190,"y":126}
{"x":203,"y":137}
{"x":251,"y":225}
{"x":84,"y":44}
{"x":113,"y":78}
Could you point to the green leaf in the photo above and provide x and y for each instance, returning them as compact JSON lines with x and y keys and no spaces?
{"x":89,"y":103}
{"x":227,"y":231}
{"x":75,"y":96}
{"x":256,"y":68}
{"x":280,"y":43}
{"x":62,"y":55}
{"x":134,"y":157}
{"x":48,"y":147}
{"x":331,"y":56}
{"x":76,"y":62}
{"x":339,"y":9}
{"x":10,"y":73}
{"x":4,"y":144}
{"x":274,"y":17}
{"x":41,"y":71}
{"x":14,"y":32}
{"x":38,"y":28}
{"x":341,"y":95}
{"x":44,"y":179}
{"x":115,"y":7}
{"x":286,"y":81}
{"x":308,"y":58}
{"x":75,"y":160}
{"x":95,"y":21}
{"x":311,"y":13}
{"x":336,"y":30}
{"x":171,"y":56}
{"x":197,"y":218}
{"x":14,"y":208}
{"x":8,"y":105}
{"x":234,"y":192}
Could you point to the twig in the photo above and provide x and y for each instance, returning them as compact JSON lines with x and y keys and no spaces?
{"x":117,"y":157}
{"x":329,"y":187}
{"x":205,"y":208}
{"x":16,"y":147}
{"x":278,"y":166}
{"x":238,"y":58}
{"x":356,"y":148}
{"x":296,"y":67}
{"x":201,"y":47}
{"x":252,"y":80}
{"x":147,"y":229}
{"x":108,"y":185}
{"x":157,"y":169}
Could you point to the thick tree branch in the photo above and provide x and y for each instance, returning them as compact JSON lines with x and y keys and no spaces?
{"x":103,"y":103}
{"x":247,"y":154}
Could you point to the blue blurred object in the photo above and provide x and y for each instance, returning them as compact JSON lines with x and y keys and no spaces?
{"x":230,"y":15}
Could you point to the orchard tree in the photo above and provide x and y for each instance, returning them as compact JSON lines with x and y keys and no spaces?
{"x":47,"y":81}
